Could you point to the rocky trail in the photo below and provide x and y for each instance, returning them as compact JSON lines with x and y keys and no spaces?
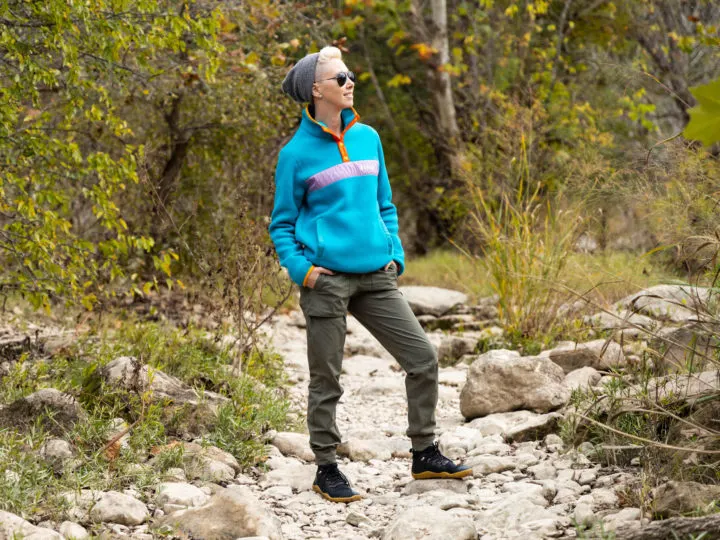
{"x":526,"y":483}
{"x":499,"y":412}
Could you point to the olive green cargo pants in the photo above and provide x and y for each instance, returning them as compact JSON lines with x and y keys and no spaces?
{"x":376,"y":302}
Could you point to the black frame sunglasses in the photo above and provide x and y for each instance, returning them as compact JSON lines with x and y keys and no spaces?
{"x":341,"y":78}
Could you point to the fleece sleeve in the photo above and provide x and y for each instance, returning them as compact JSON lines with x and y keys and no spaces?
{"x":388,"y":212}
{"x":289,"y":194}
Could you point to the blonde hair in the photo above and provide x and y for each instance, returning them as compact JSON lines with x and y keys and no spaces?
{"x":327,"y":54}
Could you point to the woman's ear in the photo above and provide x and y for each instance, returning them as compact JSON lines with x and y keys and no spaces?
{"x":316,"y":92}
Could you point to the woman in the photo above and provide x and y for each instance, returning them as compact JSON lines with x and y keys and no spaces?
{"x":335,"y":230}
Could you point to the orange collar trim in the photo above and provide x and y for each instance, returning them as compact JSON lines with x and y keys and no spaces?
{"x":327,"y":130}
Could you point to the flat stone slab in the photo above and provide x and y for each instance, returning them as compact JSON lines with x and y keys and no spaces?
{"x":432,"y":300}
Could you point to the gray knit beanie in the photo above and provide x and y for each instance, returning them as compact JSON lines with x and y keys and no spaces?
{"x":299,"y":80}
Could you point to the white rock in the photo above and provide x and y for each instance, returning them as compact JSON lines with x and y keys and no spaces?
{"x":612,"y":522}
{"x":194,"y":450}
{"x":599,"y":354}
{"x":364,"y":450}
{"x":298,"y":476}
{"x":432,"y":300}
{"x":516,"y":425}
{"x":604,"y":498}
{"x":582,"y":378}
{"x":542,"y":471}
{"x":128,"y":372}
{"x":212,"y":470}
{"x":175,"y":473}
{"x":56,"y":449}
{"x":356,"y":518}
{"x":584,"y":514}
{"x":676,"y":303}
{"x":485,"y":464}
{"x":621,"y":319}
{"x":231,"y":513}
{"x":80,"y":502}
{"x":416,"y":487}
{"x":114,"y":507}
{"x":293,"y":444}
{"x":72,"y":530}
{"x":451,"y":347}
{"x":428,"y":522}
{"x":452,"y":377}
{"x":179,"y":495}
{"x":12,"y":526}
{"x":554,"y":443}
{"x":519,"y":513}
{"x":586,"y":477}
{"x":501,"y":381}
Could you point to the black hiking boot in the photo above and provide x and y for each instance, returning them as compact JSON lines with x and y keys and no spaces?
{"x":430,"y":463}
{"x":333,"y":485}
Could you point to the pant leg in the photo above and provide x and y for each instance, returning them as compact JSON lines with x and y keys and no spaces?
{"x":383,"y":310}
{"x":325,"y":309}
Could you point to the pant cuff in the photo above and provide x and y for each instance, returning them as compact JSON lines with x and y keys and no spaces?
{"x":423,"y":443}
{"x":326,"y":457}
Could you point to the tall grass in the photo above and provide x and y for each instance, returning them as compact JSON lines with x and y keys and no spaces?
{"x":526,"y":239}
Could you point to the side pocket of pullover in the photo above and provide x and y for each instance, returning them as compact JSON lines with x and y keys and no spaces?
{"x":289,"y":194}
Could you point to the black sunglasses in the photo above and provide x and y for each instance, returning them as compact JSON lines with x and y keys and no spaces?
{"x":342,"y":78}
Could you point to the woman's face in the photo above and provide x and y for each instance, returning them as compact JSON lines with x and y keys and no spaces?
{"x":332,"y":93}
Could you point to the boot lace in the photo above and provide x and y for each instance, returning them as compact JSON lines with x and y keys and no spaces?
{"x":335,"y":478}
{"x":433,"y":456}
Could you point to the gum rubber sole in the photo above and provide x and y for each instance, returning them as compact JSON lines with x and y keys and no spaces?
{"x":317,"y":489}
{"x":427,"y":475}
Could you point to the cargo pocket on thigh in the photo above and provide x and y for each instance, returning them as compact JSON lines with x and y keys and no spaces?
{"x":322,"y":302}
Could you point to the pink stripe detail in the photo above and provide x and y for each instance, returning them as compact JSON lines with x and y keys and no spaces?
{"x":349,"y":169}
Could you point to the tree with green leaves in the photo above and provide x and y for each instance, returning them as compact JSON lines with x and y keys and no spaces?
{"x":66,"y":149}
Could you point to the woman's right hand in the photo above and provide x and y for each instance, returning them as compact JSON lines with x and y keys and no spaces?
{"x":315,"y":274}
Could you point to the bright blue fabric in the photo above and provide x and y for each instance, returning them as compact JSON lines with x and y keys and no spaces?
{"x":350,"y":225}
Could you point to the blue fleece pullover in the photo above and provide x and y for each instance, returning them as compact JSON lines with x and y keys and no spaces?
{"x":333,"y":203}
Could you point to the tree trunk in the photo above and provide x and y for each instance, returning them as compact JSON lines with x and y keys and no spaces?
{"x":445,"y":132}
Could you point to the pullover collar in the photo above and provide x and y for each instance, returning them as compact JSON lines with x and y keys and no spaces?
{"x":318,"y":129}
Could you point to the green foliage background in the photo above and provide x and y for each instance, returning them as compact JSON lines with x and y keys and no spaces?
{"x":138,"y":139}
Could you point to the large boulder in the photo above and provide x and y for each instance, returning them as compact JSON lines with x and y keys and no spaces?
{"x":230,"y":513}
{"x":503,"y":381}
{"x":432,"y":300}
{"x":677,"y":303}
{"x":57,"y":412}
{"x":598,"y":354}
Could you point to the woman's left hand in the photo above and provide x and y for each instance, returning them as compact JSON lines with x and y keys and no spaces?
{"x":390,"y":265}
